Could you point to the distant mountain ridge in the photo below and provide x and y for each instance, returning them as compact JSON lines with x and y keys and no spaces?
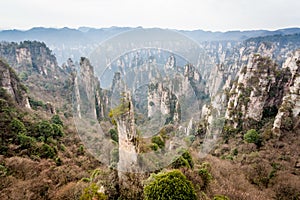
{"x":58,"y":35}
{"x":201,"y":35}
{"x":98,"y":34}
{"x":74,"y":43}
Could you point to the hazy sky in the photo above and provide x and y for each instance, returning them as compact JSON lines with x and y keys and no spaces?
{"x":214,"y":15}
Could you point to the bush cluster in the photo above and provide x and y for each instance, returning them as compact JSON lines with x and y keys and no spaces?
{"x":169,"y":185}
{"x":252,"y":136}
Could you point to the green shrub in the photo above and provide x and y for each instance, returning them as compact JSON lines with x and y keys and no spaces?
{"x":114,"y":135}
{"x":180,"y":162}
{"x":228,"y":157}
{"x":121,"y":109}
{"x":158,"y":140}
{"x":36,"y":104}
{"x":17,"y":127}
{"x":56,"y":120}
{"x":189,"y":139}
{"x":58,"y":161}
{"x":92,"y":192}
{"x":154,"y":146}
{"x":235,"y":152}
{"x":81,"y":150}
{"x":45,"y":129}
{"x":205,"y":175}
{"x":252,"y":136}
{"x":46,"y":151}
{"x":57,"y":130}
{"x":41,"y":139}
{"x":3,"y":171}
{"x":25,"y":141}
{"x":23,"y":76}
{"x":187,"y":156}
{"x":185,"y":160}
{"x":228,"y":132}
{"x":169,"y":185}
{"x":221,"y":197}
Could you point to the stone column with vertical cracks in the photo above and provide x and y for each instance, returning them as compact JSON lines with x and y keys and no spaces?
{"x":129,"y":178}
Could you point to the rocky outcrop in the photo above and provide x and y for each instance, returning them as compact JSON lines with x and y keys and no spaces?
{"x":171,"y":62}
{"x":162,"y":100}
{"x":11,"y":84}
{"x":223,"y":59}
{"x":37,"y":68}
{"x":69,"y":67}
{"x":124,"y":116}
{"x":289,"y":113}
{"x":263,"y":90}
{"x":23,"y":56}
{"x":30,"y":57}
{"x":251,"y":93}
{"x":128,"y":163}
{"x":87,"y":92}
{"x":88,"y":85}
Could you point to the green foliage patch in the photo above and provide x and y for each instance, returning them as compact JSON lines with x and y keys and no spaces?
{"x":92,"y":192}
{"x":114,"y":135}
{"x":158,"y":140}
{"x":184,"y":160}
{"x":252,"y":136}
{"x":169,"y":185}
{"x":205,"y":175}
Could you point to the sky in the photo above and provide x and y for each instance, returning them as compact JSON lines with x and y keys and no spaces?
{"x":209,"y":15}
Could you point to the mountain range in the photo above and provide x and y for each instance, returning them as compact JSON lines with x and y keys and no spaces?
{"x":73,"y":43}
{"x":122,"y":121}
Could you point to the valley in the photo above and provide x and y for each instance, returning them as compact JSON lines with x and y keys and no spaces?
{"x":117,"y":113}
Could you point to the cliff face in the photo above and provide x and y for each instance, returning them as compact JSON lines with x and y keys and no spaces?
{"x":253,"y":86}
{"x":249,"y":93}
{"x":37,"y":68}
{"x":223,"y":60}
{"x":127,"y":135}
{"x":87,"y":92}
{"x":162,"y":100}
{"x":11,"y":84}
{"x":30,"y":57}
{"x":263,"y":90}
{"x":288,"y":116}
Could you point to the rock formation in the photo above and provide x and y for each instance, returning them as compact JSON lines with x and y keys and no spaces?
{"x":162,"y":100}
{"x":11,"y":84}
{"x":87,"y":92}
{"x":127,"y":135}
{"x":32,"y":57}
{"x":288,"y":116}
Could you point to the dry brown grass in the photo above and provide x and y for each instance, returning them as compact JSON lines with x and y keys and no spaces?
{"x":287,"y":187}
{"x":42,"y":178}
{"x":230,"y":180}
{"x":70,"y":191}
{"x":268,"y":172}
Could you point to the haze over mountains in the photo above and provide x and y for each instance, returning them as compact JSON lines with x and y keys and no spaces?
{"x":68,"y":42}
{"x":98,"y":34}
